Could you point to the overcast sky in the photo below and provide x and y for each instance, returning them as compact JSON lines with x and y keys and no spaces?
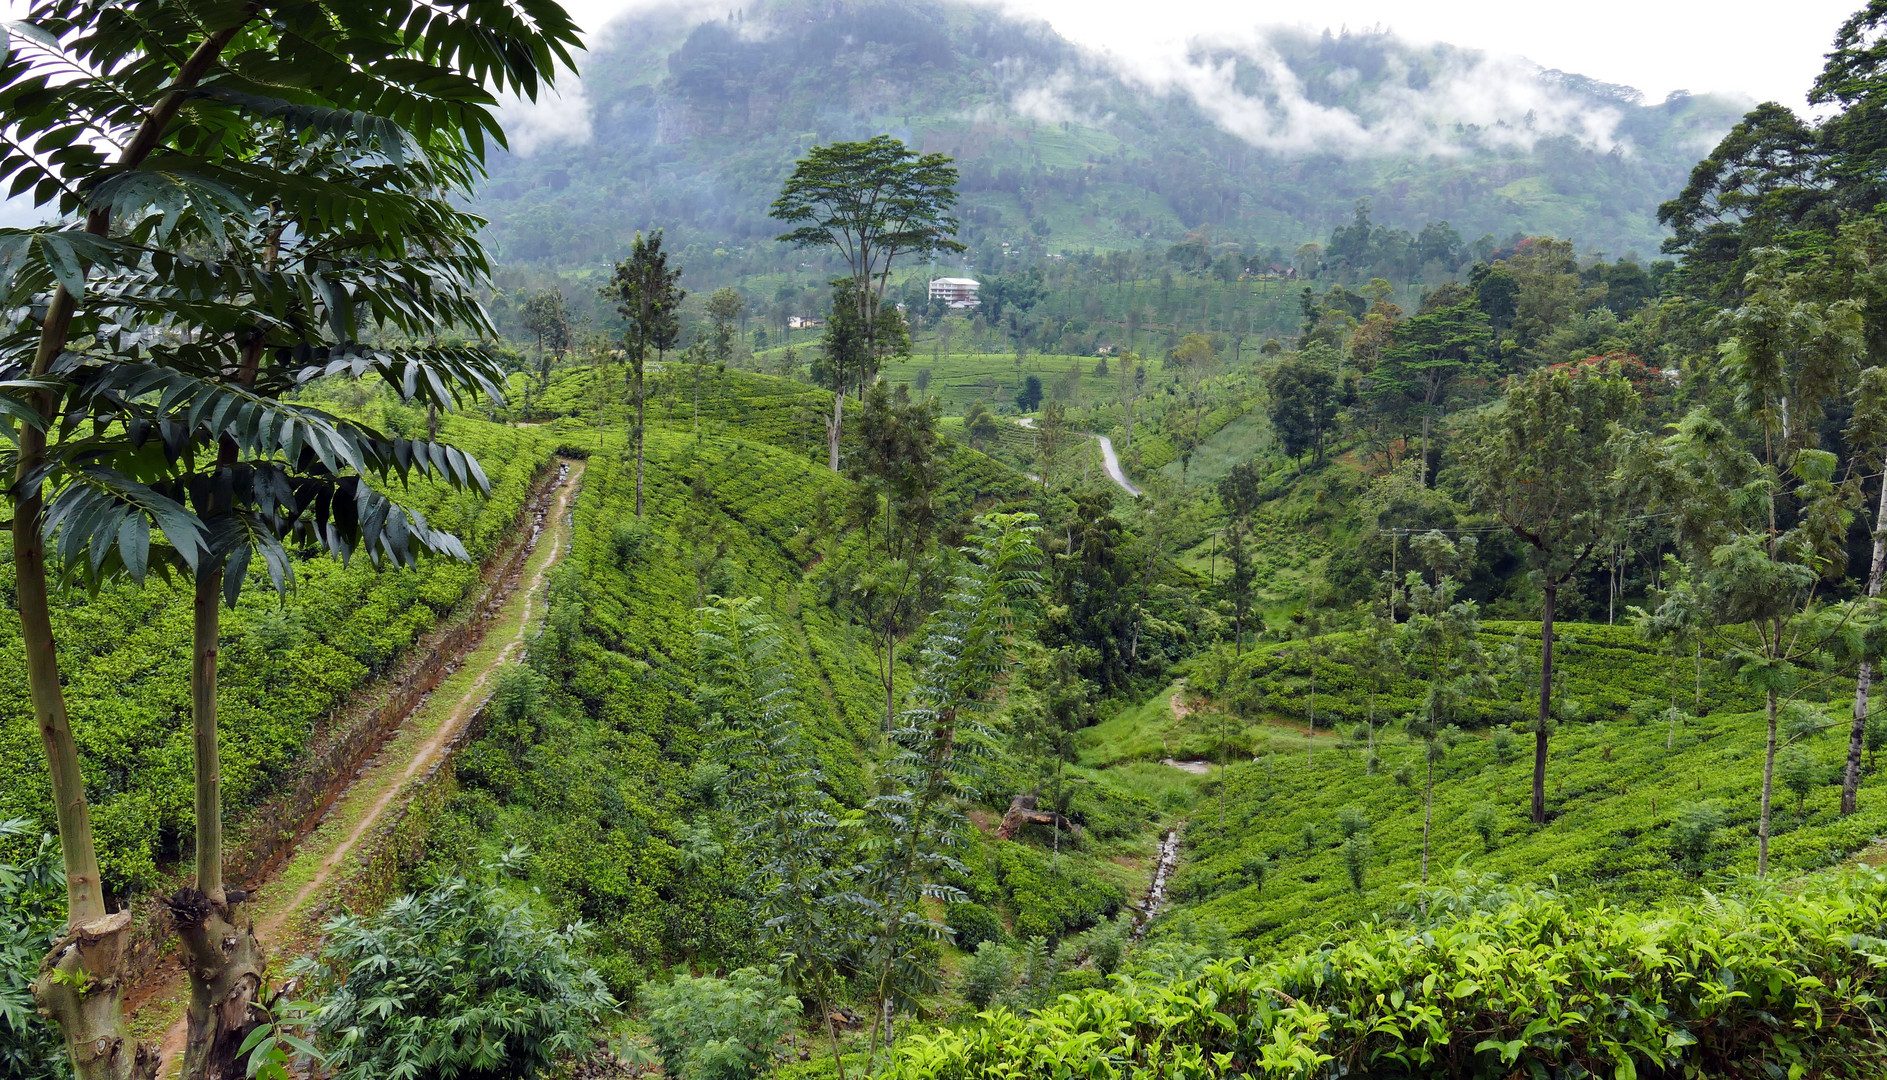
{"x":1765,"y":50}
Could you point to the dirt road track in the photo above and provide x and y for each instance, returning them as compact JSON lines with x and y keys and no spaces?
{"x":393,"y":777}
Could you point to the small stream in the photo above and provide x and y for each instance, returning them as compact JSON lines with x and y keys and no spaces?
{"x":1162,"y":872}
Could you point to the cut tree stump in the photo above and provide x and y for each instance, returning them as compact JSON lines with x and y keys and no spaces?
{"x":1022,"y":811}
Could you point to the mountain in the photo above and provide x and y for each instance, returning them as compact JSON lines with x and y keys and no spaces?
{"x":1268,"y":141}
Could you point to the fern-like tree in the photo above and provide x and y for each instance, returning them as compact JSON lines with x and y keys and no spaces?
{"x":914,"y":827}
{"x":873,"y":202}
{"x":143,"y":127}
{"x":746,"y":687}
{"x":1548,"y":466}
{"x":648,"y":297}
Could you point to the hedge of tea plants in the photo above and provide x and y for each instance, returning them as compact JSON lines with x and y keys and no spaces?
{"x":1759,"y":985}
{"x":125,"y":654}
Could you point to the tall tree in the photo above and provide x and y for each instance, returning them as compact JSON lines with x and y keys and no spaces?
{"x":144,"y":123}
{"x":648,"y":296}
{"x":873,"y":201}
{"x":543,"y":314}
{"x":724,"y":308}
{"x":1867,"y":435}
{"x":1547,"y":466}
{"x":1434,"y":351}
{"x":1442,"y":640}
{"x":1764,"y":530}
{"x":1239,"y":583}
{"x":1304,"y":400}
{"x":896,"y":468}
{"x":968,"y":649}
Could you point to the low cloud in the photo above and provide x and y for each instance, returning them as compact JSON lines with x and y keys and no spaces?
{"x":557,"y":117}
{"x":1415,"y":100}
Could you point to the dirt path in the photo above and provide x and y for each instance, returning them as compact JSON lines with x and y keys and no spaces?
{"x":387,"y":776}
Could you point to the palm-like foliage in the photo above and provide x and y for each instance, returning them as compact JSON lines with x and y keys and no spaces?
{"x":236,"y":182}
{"x":456,"y":982}
{"x":967,"y":648}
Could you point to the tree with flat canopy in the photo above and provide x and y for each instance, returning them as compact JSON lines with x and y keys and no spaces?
{"x":873,"y":201}
{"x":1434,"y":351}
{"x":1546,"y":465}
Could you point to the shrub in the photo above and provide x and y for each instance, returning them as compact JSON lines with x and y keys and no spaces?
{"x":1694,"y":832}
{"x":986,"y":975}
{"x":1254,"y":867}
{"x":455,"y":983}
{"x":1485,"y":821}
{"x":32,"y":915}
{"x":974,"y":924}
{"x":1800,"y":773}
{"x":1357,"y":852}
{"x":628,"y":541}
{"x":1107,"y":943}
{"x":1352,"y":822}
{"x":1726,"y":988}
{"x":720,"y":1029}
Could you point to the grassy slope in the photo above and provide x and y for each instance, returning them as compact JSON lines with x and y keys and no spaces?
{"x":1613,"y":791}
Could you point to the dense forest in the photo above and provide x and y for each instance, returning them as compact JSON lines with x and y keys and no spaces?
{"x":482,"y":606}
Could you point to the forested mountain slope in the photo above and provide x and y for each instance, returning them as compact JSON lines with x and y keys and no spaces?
{"x":690,"y":128}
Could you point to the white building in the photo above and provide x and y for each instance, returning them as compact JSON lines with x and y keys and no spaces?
{"x":958,"y":292}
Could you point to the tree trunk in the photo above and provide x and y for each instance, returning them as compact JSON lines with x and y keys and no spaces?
{"x":1857,"y":736}
{"x":225,"y":962}
{"x":1310,"y":740}
{"x":1424,"y":471}
{"x":891,"y":673}
{"x":221,"y":954}
{"x":1550,"y":596}
{"x":206,"y":628}
{"x":833,"y":426}
{"x":86,"y":1002}
{"x":832,"y":1030}
{"x":641,"y":396}
{"x":1769,"y":779}
{"x":1428,"y":815}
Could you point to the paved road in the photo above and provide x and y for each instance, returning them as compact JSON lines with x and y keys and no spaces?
{"x":1109,"y":460}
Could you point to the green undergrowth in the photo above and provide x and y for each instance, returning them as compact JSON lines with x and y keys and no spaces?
{"x":286,"y":665}
{"x":1759,"y":985}
{"x":1599,"y":671}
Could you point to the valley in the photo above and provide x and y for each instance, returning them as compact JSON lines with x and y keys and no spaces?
{"x":869,"y":540}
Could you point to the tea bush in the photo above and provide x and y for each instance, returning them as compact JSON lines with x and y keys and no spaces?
{"x":285,"y":666}
{"x":1757,"y":985}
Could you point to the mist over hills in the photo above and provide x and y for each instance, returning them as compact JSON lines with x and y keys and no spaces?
{"x":1267,"y":141}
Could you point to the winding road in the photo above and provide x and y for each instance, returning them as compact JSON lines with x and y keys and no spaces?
{"x":1110,"y":461}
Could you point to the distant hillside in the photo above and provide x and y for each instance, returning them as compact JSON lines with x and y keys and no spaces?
{"x":1268,"y":142}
